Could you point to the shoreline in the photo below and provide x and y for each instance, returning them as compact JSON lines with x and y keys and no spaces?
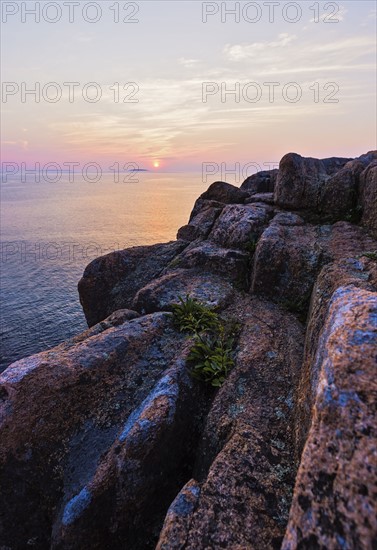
{"x":119,"y":443}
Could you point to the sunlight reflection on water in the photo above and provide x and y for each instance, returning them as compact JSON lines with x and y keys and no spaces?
{"x":50,"y":232}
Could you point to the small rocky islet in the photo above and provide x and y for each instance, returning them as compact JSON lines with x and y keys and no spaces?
{"x":107,"y":441}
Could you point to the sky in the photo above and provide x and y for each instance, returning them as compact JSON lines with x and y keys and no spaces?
{"x":164,"y":74}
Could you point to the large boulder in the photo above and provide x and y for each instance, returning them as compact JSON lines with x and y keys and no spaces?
{"x":261,"y":182}
{"x":325,"y":189}
{"x":290,"y":254}
{"x":204,"y":204}
{"x":225,"y":193}
{"x":338,"y":196}
{"x":334,"y":164}
{"x":367,"y":158}
{"x":286,"y":261}
{"x":160,"y":295}
{"x":233,"y":264}
{"x":123,"y":503}
{"x":239,"y":226}
{"x":358,"y":272}
{"x":239,"y":495}
{"x":110,"y":282}
{"x":334,"y":502}
{"x":299,"y":182}
{"x":62,"y":410}
{"x":368,"y":198}
{"x":208,"y":207}
{"x":201,"y":223}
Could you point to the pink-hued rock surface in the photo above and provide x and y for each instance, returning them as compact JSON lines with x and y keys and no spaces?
{"x":107,"y":441}
{"x":245,"y":465}
{"x":334,"y":501}
{"x":368,"y":197}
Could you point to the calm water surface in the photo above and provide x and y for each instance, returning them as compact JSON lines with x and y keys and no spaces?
{"x":50,"y":232}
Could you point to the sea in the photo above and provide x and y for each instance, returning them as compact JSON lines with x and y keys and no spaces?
{"x":51,"y":231}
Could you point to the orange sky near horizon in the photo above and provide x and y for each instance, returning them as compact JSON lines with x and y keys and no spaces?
{"x":184,"y":86}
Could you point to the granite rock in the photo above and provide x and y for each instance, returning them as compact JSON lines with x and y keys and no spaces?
{"x":240,"y":226}
{"x":137,"y":478}
{"x":299,"y":182}
{"x":108,"y":442}
{"x":368,"y":198}
{"x":110,"y":282}
{"x":358,"y":272}
{"x":160,"y":295}
{"x":245,"y":473}
{"x":200,"y":225}
{"x":233,"y":264}
{"x":261,"y":182}
{"x":62,"y":409}
{"x":225,"y":193}
{"x":334,"y":502}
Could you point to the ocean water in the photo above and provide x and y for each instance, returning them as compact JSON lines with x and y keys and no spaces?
{"x":51,"y":231}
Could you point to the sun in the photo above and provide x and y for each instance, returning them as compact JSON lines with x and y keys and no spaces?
{"x":156,"y":164}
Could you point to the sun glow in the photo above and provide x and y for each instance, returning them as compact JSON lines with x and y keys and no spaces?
{"x":156,"y":164}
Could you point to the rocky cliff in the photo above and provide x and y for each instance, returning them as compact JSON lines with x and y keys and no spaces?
{"x":107,"y":441}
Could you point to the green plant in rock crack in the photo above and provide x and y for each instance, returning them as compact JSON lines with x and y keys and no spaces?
{"x":210,"y":358}
{"x":192,"y":316}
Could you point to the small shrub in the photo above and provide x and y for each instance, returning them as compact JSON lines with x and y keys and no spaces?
{"x":211,"y":355}
{"x":192,"y":316}
{"x":211,"y":358}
